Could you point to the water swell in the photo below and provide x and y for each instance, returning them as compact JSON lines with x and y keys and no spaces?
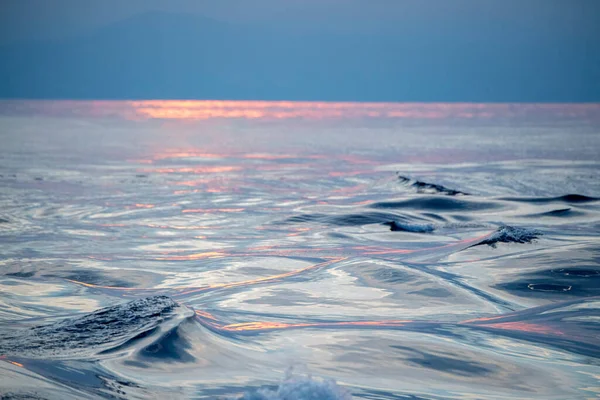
{"x":503,"y":234}
{"x":509,"y":234}
{"x":94,"y":333}
{"x":570,"y":325}
{"x":568,"y":198}
{"x":558,"y":213}
{"x":436,"y":203}
{"x":429,"y":188}
{"x":345,"y":219}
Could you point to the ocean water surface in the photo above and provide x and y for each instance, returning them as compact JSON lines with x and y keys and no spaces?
{"x":299,"y":251}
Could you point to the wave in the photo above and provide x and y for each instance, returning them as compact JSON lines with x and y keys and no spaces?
{"x":95,"y":333}
{"x":408,"y":227}
{"x":21,"y":396}
{"x":510,"y":234}
{"x":429,"y":188}
{"x":400,"y":226}
{"x":558,"y":213}
{"x":569,"y":325}
{"x":568,"y":198}
{"x":170,"y":346}
{"x":345,"y":219}
{"x":436,"y":203}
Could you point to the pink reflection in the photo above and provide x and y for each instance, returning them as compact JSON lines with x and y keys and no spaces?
{"x":212,"y":210}
{"x":197,"y":110}
{"x":194,"y":170}
{"x":270,"y":326}
{"x":525,"y":327}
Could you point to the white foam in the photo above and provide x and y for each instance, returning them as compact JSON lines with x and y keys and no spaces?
{"x":301,"y":388}
{"x":509,"y":234}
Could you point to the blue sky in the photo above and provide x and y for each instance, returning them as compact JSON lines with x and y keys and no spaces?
{"x":24,"y":19}
{"x":360,"y":50}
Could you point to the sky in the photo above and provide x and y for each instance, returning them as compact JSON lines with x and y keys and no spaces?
{"x":548,"y":47}
{"x":36,"y":19}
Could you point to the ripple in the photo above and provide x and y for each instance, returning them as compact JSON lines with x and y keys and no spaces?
{"x":580,"y":282}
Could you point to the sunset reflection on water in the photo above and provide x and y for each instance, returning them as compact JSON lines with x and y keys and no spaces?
{"x":194,"y":110}
{"x":435,"y":241}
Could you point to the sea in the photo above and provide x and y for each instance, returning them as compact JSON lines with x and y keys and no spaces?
{"x":254,"y":250}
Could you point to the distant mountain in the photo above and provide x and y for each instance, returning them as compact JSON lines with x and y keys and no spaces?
{"x":161,"y":55}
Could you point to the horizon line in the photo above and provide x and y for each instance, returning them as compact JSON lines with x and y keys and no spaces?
{"x":242,"y":100}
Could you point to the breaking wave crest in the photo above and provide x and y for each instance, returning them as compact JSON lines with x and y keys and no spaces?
{"x":429,"y":188}
{"x":99,"y":331}
{"x":408,"y":227}
{"x":300,"y":388}
{"x":510,"y":234}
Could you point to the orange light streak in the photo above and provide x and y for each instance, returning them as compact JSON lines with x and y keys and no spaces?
{"x":205,"y":314}
{"x":144,"y":205}
{"x":201,"y":110}
{"x":15,"y":363}
{"x":93,"y":286}
{"x":270,"y":326}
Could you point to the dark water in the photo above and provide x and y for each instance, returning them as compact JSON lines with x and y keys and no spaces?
{"x":299,"y":251}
